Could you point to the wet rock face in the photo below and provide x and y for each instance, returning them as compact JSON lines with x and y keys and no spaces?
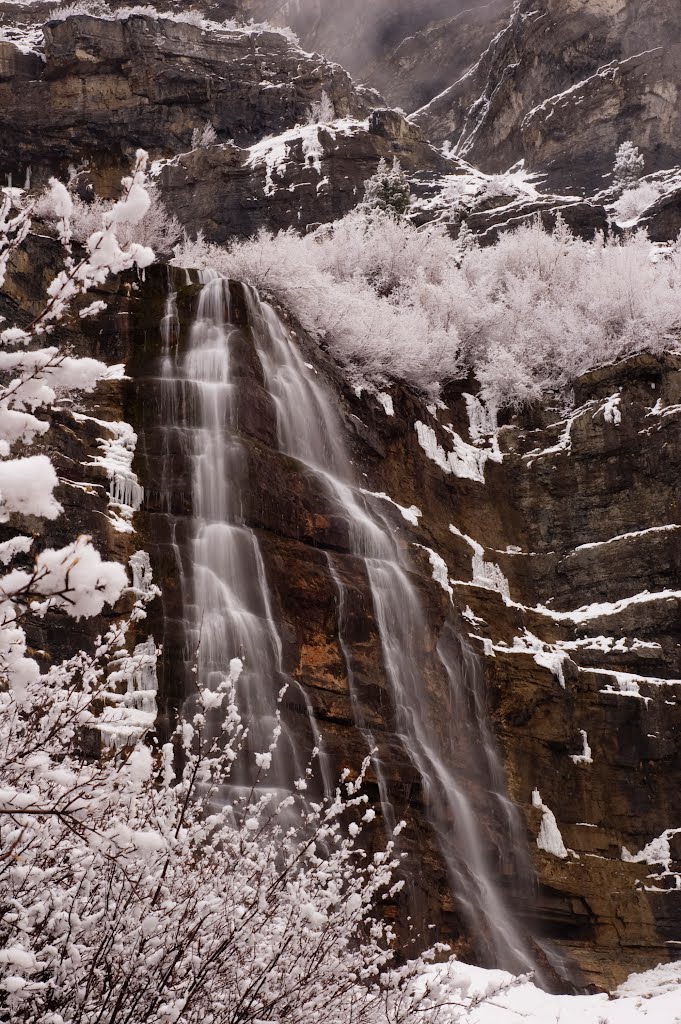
{"x":107,"y":87}
{"x":580,"y":663}
{"x":569,"y":519}
{"x":564,"y":85}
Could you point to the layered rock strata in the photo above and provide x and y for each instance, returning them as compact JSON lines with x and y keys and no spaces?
{"x":103,"y":87}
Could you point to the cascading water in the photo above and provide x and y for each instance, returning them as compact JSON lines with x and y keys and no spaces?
{"x":229,"y":610}
{"x":310,"y":431}
{"x":229,"y":614}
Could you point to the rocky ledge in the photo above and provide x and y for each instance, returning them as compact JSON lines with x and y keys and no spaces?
{"x":103,"y":87}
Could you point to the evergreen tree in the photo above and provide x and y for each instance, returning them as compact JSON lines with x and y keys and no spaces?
{"x":629,"y":165}
{"x":387,"y":192}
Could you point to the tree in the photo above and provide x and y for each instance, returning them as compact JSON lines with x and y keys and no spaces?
{"x":629,"y":165}
{"x":387,"y":191}
{"x":322,"y":111}
{"x":133,"y":893}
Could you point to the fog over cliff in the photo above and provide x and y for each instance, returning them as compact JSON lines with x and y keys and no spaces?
{"x":372,"y":37}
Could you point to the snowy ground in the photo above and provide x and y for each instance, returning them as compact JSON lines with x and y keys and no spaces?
{"x":650,"y":998}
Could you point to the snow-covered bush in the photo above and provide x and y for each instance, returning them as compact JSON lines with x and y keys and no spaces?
{"x":375,"y":335}
{"x":527,"y":315}
{"x":101,"y":9}
{"x":204,"y":137}
{"x":636,"y":200}
{"x":322,"y":111}
{"x":91,"y":8}
{"x":132,"y":890}
{"x":629,"y":165}
{"x":387,"y":191}
{"x":157,"y":229}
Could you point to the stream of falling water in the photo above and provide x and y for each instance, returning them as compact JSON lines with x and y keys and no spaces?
{"x":229,"y":612}
{"x":309,"y":430}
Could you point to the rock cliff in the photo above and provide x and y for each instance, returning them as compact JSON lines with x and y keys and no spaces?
{"x":563,"y":85}
{"x":100,"y":88}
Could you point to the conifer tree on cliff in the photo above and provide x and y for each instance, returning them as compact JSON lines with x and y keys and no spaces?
{"x":387,"y":191}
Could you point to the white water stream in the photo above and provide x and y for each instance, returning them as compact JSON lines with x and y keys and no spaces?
{"x":229,"y":610}
{"x":310,"y":431}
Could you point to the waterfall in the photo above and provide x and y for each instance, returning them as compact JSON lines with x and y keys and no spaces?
{"x":229,"y":610}
{"x":310,"y":431}
{"x":228,"y":606}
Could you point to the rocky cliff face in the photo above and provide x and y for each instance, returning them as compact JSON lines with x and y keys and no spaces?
{"x":103,"y":87}
{"x":563,"y":85}
{"x":410,"y":51}
{"x":561,"y":554}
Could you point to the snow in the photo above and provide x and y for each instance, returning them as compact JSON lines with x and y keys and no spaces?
{"x":549,"y":838}
{"x":464,"y":461}
{"x":485,"y":574}
{"x":554,"y":663}
{"x":26,"y":39}
{"x":439,"y":567}
{"x":657,"y":851}
{"x":411,"y":514}
{"x":469,"y":615}
{"x":649,"y":998}
{"x":611,"y":410}
{"x":600,"y":610}
{"x":547,"y":655}
{"x":275,"y":153}
{"x":125,"y":492}
{"x":585,"y":756}
{"x":564,"y":443}
{"x":387,"y":403}
{"x":629,"y":682}
{"x":26,"y":486}
{"x":628,"y":536}
{"x":133,"y":713}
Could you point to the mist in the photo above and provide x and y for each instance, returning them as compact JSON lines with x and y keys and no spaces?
{"x":370,"y":37}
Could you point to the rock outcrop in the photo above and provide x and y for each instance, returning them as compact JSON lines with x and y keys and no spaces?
{"x":106,"y":87}
{"x":563,"y":85}
{"x":302,"y":178}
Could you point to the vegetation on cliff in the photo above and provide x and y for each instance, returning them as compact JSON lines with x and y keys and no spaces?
{"x":527,"y":315}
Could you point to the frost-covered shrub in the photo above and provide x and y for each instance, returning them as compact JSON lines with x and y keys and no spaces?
{"x":375,"y":335}
{"x":135,"y":891}
{"x":636,"y":200}
{"x":158,"y":229}
{"x":527,"y":315}
{"x":91,"y":8}
{"x":204,"y":137}
{"x":322,"y":111}
{"x":629,"y":165}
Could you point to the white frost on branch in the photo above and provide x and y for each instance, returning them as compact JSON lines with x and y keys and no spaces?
{"x":72,"y":580}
